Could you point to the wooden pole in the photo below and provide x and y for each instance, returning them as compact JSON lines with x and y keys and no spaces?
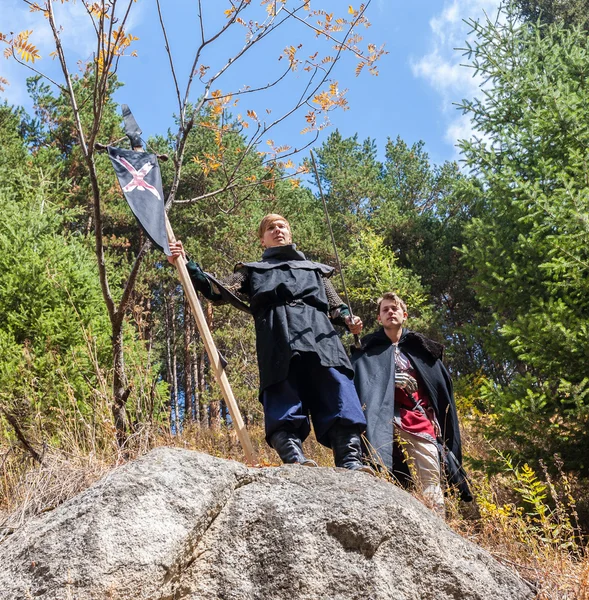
{"x":213,"y":353}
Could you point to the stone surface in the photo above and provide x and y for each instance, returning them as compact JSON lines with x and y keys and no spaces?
{"x":178,"y":525}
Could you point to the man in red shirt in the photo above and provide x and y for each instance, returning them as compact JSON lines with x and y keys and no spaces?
{"x":408,"y":400}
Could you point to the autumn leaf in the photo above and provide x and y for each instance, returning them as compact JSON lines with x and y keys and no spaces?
{"x":252,"y":115}
{"x":28,"y":52}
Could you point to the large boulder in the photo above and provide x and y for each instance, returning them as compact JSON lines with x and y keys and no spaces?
{"x":178,"y":525}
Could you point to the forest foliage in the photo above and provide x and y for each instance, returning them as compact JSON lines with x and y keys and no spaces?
{"x":490,"y":255}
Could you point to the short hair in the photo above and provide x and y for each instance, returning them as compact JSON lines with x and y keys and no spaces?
{"x":268,"y":220}
{"x":394,"y":298}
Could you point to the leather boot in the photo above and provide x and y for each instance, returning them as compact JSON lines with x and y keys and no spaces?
{"x":290,"y":448}
{"x":347,"y":448}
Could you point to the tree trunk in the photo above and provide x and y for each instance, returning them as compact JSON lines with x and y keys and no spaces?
{"x":174,"y":372}
{"x":188,"y":338}
{"x":202,"y":409}
{"x":195,"y":381}
{"x":214,"y":406}
{"x":171,"y":363}
{"x":121,"y":389}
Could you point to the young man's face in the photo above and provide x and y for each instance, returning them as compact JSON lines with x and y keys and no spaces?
{"x":391,"y":314}
{"x":276,"y":234}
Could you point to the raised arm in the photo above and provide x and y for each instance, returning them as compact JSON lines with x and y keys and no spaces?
{"x":339,"y":312}
{"x":201,"y":282}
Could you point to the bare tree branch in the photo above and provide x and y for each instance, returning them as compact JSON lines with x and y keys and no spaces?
{"x":169,"y":52}
{"x":240,"y":185}
{"x":324,"y":33}
{"x":131,"y":279}
{"x":21,"y":436}
{"x":24,"y":64}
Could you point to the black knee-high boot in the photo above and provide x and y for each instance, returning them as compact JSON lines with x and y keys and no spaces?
{"x":290,"y":448}
{"x":347,"y":448}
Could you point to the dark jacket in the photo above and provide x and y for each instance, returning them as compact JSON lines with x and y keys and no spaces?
{"x":291,"y":312}
{"x":374,"y":378}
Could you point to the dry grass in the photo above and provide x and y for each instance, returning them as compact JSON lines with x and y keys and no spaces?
{"x":30,"y":489}
{"x":542,"y":544}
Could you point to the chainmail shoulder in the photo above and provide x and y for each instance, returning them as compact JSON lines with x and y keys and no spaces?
{"x":235,"y":282}
{"x":333,"y":297}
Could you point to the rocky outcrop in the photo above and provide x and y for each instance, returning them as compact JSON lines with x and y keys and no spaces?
{"x":178,"y":525}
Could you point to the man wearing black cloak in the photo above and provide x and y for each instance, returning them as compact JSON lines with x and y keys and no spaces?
{"x":305,"y":372}
{"x":408,"y":400}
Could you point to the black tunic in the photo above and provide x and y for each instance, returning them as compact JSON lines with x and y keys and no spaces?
{"x":291,"y":309}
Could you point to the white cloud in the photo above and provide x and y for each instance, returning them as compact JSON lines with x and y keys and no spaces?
{"x":441,"y":67}
{"x":459,"y":129}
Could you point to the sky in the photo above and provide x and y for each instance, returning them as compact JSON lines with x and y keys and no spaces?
{"x":414,"y":95}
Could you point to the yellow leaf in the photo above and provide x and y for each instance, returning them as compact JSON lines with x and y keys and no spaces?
{"x":27,"y":52}
{"x":252,"y":115}
{"x":351,"y":10}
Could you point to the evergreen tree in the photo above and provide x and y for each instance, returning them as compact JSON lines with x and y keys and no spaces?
{"x":529,"y":249}
{"x":564,"y":12}
{"x":411,"y":215}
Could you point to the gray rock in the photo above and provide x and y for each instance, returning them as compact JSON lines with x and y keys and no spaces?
{"x":178,"y":525}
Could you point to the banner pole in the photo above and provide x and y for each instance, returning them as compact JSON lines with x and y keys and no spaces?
{"x":213,"y":353}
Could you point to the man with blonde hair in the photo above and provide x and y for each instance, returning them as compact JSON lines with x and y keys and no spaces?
{"x":305,"y":373}
{"x":409,"y":403}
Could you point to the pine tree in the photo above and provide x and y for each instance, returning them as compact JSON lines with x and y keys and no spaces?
{"x":529,"y":249}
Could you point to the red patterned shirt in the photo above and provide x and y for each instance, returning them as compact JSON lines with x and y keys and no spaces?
{"x":416,"y":415}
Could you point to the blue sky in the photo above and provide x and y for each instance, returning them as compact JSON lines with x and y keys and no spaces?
{"x":420,"y":77}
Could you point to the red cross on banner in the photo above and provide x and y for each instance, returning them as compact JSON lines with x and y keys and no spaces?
{"x":141,"y":181}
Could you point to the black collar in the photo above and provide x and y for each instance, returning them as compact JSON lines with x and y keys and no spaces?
{"x":288,"y":252}
{"x":409,"y":339}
